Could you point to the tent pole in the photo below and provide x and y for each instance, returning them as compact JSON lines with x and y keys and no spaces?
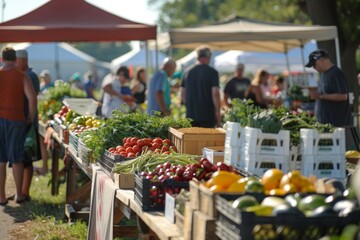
{"x":156,"y":55}
{"x":57,"y":63}
{"x":288,"y":64}
{"x":147,"y":57}
{"x":303,"y":62}
{"x":337,"y":49}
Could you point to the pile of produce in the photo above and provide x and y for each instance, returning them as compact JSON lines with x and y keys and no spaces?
{"x":133,"y":146}
{"x":51,"y":102}
{"x":136,"y":124}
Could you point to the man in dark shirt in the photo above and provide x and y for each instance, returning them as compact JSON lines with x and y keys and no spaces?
{"x":332,"y":101}
{"x":200,"y":91}
{"x":236,"y":87}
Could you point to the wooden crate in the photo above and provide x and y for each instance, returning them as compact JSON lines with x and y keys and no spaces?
{"x":194,"y":195}
{"x":188,"y":221}
{"x":124,"y":180}
{"x":202,"y":199}
{"x":203,"y":227}
{"x":179,"y":221}
{"x":193,"y":140}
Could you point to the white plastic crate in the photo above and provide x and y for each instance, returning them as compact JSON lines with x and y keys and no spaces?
{"x":258,"y":163}
{"x":315,"y":143}
{"x":233,"y":134}
{"x":324,"y":166}
{"x":257,"y":142}
{"x":295,"y":158}
{"x":214,"y":154}
{"x":232,"y":156}
{"x":83,"y":106}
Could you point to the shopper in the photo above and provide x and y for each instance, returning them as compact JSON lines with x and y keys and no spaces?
{"x":332,"y":104}
{"x":254,"y":91}
{"x":236,"y":87}
{"x":13,"y":84}
{"x":200,"y":91}
{"x":22,"y":63}
{"x":159,"y":98}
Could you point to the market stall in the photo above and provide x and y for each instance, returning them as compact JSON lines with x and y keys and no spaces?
{"x":289,"y":176}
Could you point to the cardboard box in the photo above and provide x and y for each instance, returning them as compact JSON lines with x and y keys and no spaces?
{"x":214,"y":154}
{"x":124,"y":180}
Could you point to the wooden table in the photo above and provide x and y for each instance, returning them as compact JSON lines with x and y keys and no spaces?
{"x":77,"y":197}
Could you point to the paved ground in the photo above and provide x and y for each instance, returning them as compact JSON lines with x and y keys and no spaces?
{"x":11,"y":217}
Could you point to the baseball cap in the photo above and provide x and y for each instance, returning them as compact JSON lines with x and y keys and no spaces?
{"x":316,"y":55}
{"x":45,"y":73}
{"x":21,"y":53}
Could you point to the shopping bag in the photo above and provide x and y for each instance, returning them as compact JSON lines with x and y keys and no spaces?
{"x":30,"y":145}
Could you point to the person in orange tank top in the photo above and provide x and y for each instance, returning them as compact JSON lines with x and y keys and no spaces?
{"x":14,"y":85}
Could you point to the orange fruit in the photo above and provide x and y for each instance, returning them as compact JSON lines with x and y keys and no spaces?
{"x":277,"y":192}
{"x":224,"y":178}
{"x":271,"y":178}
{"x":295,"y":178}
{"x":290,"y":188}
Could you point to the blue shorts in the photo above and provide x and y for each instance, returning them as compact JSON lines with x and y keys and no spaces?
{"x":12,"y":139}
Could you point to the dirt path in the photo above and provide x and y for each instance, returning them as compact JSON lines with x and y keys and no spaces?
{"x":12,"y":218}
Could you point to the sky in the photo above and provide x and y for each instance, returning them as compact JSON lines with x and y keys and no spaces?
{"x":135,"y":10}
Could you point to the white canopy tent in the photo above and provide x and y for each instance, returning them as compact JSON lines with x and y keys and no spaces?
{"x":191,"y":58}
{"x":272,"y":62}
{"x":137,"y":58}
{"x":61,"y":59}
{"x":239,"y":33}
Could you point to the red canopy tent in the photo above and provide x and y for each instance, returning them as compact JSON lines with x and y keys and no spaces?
{"x":73,"y":21}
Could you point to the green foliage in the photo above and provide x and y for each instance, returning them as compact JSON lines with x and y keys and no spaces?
{"x":189,"y":13}
{"x":240,"y":111}
{"x":266,"y":120}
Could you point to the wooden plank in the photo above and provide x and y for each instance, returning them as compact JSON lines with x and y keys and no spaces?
{"x":125,"y":231}
{"x":156,"y":222}
{"x":124,"y":196}
{"x":80,"y":194}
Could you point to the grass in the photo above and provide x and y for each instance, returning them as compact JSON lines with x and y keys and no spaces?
{"x":43,"y":216}
{"x":46,"y":213}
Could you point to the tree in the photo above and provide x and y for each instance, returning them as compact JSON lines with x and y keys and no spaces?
{"x":104,"y":51}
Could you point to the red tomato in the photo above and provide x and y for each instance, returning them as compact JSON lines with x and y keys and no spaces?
{"x":112,"y":149}
{"x":121,"y":148}
{"x":125,"y":140}
{"x":164,"y":148}
{"x":167,"y":152}
{"x":157,"y":140}
{"x":136,"y":148}
{"x":128,"y":144}
{"x":130,"y":155}
{"x":148,"y":143}
{"x":134,"y":140}
{"x":140,"y":142}
{"x":156,"y":145}
{"x":123,"y":154}
{"x":129,"y":149}
{"x":166,"y":142}
{"x":128,"y":140}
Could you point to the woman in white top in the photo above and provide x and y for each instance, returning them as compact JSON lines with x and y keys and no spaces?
{"x":113,"y":99}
